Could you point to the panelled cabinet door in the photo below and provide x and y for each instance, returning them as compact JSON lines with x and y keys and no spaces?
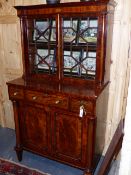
{"x":79,"y":41}
{"x":68,"y":137}
{"x":35,"y":128}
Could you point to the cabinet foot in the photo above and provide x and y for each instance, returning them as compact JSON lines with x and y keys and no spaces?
{"x":87,"y":172}
{"x":19,"y":153}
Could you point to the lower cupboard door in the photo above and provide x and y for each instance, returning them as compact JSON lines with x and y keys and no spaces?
{"x":35,"y":128}
{"x":69,"y":138}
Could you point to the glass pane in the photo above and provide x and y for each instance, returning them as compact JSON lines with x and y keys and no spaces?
{"x":45,"y":60}
{"x":71,"y":60}
{"x":88,"y":30}
{"x":53,"y":31}
{"x":89,"y":63}
{"x":41,"y":31}
{"x":42,"y":45}
{"x":70,"y":30}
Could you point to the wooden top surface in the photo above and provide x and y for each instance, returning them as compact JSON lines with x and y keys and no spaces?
{"x":99,"y":6}
{"x":69,"y":4}
{"x":84,"y":91}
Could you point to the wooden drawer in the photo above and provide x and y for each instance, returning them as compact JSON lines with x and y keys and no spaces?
{"x":59,"y":101}
{"x":47,"y":99}
{"x":76,"y":104}
{"x":34,"y":96}
{"x":16,"y":93}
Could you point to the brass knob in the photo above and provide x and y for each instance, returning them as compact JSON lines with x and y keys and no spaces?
{"x":34,"y":97}
{"x":57,"y":101}
{"x":15,"y":93}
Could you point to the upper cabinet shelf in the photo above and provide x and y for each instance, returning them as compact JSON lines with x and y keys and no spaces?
{"x":75,"y":30}
{"x":65,"y":42}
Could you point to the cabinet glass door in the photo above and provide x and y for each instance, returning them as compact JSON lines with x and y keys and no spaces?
{"x":42,"y":45}
{"x":79,"y":46}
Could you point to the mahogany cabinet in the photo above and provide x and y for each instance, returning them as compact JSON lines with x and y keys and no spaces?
{"x":64,"y":51}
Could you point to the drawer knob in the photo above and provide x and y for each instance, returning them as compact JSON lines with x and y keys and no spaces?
{"x":15,"y":93}
{"x":34,"y":97}
{"x":57,"y":101}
